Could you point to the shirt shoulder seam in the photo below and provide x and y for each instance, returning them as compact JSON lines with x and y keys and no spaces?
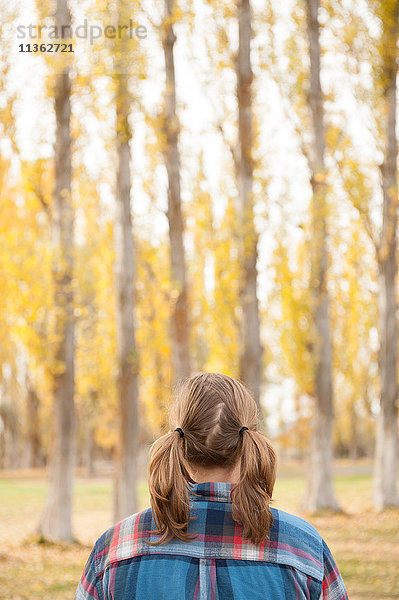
{"x":310,"y":572}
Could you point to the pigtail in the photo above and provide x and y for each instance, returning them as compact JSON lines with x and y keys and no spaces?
{"x":252,"y":495}
{"x":168,"y":485}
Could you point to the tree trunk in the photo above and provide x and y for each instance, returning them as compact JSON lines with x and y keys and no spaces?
{"x":385,"y":468}
{"x":125,"y":489}
{"x":250,"y":344}
{"x":89,"y":445}
{"x":33,"y":441}
{"x":88,"y":452}
{"x":10,"y":434}
{"x":353,"y":449}
{"x":179,"y":323}
{"x":56,"y":521}
{"x":320,"y":487}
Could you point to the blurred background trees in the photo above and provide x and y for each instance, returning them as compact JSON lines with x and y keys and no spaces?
{"x":218,"y":195}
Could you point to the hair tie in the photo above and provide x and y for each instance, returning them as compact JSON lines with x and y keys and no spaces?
{"x":181,"y":432}
{"x":242,"y":430}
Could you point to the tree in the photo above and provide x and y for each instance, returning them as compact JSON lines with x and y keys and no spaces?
{"x":179,"y":318}
{"x":125,"y":489}
{"x":250,"y":345}
{"x":56,"y":520}
{"x":385,"y":474}
{"x":10,"y":435}
{"x":320,"y":489}
{"x":33,"y":438}
{"x":378,"y":48}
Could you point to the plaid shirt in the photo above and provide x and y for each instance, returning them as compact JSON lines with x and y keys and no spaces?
{"x":294,"y":563}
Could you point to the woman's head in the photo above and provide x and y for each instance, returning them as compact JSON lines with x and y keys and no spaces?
{"x":211,"y":409}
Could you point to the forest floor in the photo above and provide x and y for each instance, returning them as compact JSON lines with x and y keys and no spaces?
{"x":364,"y":544}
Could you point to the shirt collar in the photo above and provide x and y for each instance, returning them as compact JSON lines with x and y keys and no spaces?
{"x":217,"y":491}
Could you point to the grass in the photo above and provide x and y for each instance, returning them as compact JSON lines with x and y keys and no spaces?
{"x":365,"y":544}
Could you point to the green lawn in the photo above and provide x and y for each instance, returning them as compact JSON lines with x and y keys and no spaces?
{"x":365,"y":545}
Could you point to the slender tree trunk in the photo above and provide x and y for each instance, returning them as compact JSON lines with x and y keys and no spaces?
{"x":179,"y":324}
{"x":320,"y":488}
{"x":125,"y":489}
{"x":56,"y":521}
{"x":354,"y":439}
{"x":88,"y":452}
{"x":250,"y":344}
{"x":386,"y":465}
{"x":89,"y":445}
{"x":10,"y":433}
{"x":33,"y":441}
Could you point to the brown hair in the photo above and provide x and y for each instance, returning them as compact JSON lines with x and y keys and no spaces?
{"x":210,"y":409}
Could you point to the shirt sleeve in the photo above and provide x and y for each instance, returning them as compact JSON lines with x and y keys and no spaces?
{"x":333,"y":587}
{"x":87,"y":588}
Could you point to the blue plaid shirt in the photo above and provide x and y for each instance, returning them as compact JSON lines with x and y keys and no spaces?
{"x":294,"y":563}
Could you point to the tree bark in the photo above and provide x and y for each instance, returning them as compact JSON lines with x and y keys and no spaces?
{"x":320,"y":487}
{"x":56,"y":521}
{"x":179,"y":323}
{"x":250,"y":344}
{"x":10,"y":433}
{"x":33,"y":441}
{"x":89,"y":445}
{"x":353,"y":449}
{"x":386,"y":465}
{"x":125,"y":488}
